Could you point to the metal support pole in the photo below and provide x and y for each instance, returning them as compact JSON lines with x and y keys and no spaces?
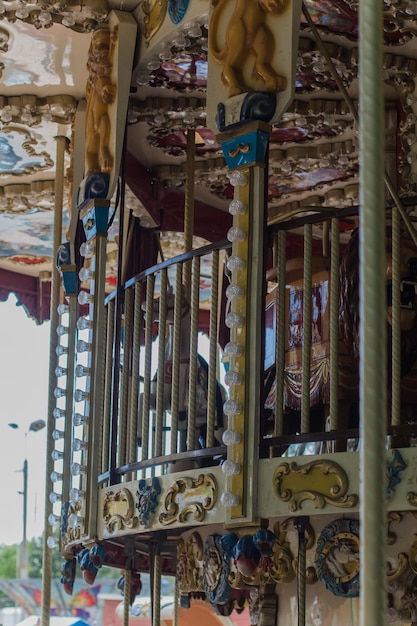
{"x":246,"y":151}
{"x":301,"y":525}
{"x":24,"y":547}
{"x":373,"y":354}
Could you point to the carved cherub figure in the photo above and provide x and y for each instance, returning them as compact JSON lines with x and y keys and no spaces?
{"x":247,"y":35}
{"x":101,"y":92}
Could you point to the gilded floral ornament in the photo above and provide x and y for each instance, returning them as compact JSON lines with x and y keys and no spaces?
{"x":119,"y":511}
{"x":396,"y":570}
{"x":148,"y":499}
{"x":154,"y":12}
{"x":412,"y":498}
{"x":71,"y":530}
{"x":412,"y":555}
{"x":189,"y":498}
{"x":322,"y":482}
{"x":393,"y":516}
{"x":216,"y":571}
{"x":402,"y":598}
{"x":190,"y":564}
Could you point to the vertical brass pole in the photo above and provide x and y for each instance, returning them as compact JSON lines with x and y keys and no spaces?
{"x":159,"y":418}
{"x":373,"y":356}
{"x":334,"y":325}
{"x":307,"y":310}
{"x":279,"y":334}
{"x":212,"y":375}
{"x":396,"y":322}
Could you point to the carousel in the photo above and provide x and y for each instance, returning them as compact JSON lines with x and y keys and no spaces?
{"x":214,"y":204}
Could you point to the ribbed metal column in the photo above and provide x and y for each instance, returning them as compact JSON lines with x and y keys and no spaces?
{"x":280,"y":332}
{"x":334,"y":326}
{"x":145,"y":404}
{"x":396,"y":320}
{"x":126,"y":596}
{"x":307,"y":311}
{"x":176,"y":355}
{"x":135,"y":424}
{"x":212,"y":375}
{"x":159,"y":416}
{"x":373,"y":355}
{"x":193,"y":373}
{"x":105,"y":453}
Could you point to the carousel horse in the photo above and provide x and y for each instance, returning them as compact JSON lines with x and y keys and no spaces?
{"x":293,"y":342}
{"x":200,"y":415}
{"x":348,"y":349}
{"x":349,"y":312}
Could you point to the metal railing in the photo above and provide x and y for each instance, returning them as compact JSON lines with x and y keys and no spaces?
{"x":311,"y":394}
{"x":163,"y":395}
{"x":154,"y":396}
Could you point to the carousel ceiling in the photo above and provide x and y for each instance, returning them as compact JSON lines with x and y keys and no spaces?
{"x":313,"y":160}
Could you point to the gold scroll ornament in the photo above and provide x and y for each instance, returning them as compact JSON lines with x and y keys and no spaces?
{"x":322,"y":482}
{"x":118,"y":511}
{"x":189,"y":497}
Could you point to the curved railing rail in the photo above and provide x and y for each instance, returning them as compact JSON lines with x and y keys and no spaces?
{"x":163,"y":384}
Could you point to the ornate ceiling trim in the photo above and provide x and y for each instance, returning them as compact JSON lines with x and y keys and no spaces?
{"x":21,"y":197}
{"x":31,"y":110}
{"x":79,"y":16}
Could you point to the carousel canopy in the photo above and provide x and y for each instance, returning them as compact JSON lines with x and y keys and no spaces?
{"x":313,"y":158}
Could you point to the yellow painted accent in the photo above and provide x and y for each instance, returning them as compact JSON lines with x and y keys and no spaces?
{"x":322,"y":482}
{"x":154,"y":16}
{"x":189,"y":498}
{"x":240,"y":249}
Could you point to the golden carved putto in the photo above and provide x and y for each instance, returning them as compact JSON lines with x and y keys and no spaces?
{"x":248,"y":40}
{"x":101,"y":93}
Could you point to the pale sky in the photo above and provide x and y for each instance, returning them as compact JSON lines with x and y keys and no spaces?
{"x":24,"y":365}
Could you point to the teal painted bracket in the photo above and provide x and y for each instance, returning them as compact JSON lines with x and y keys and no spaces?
{"x":67,"y":270}
{"x":69,"y":280}
{"x":94,"y":215}
{"x":245,"y":147}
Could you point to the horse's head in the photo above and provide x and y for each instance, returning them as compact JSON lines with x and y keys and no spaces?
{"x":408,"y":277}
{"x":349,"y":292}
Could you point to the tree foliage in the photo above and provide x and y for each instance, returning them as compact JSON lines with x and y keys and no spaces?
{"x":8,"y":556}
{"x":35,"y":559}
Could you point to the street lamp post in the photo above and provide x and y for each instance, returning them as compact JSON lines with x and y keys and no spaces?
{"x":23,"y":564}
